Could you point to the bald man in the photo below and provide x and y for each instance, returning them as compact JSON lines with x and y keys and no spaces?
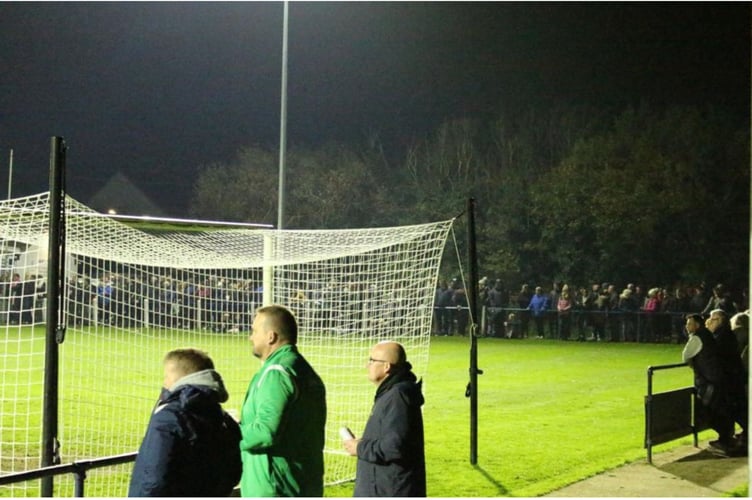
{"x":391,"y":459}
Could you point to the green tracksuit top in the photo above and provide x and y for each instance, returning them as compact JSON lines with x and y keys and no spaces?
{"x":282,"y":421}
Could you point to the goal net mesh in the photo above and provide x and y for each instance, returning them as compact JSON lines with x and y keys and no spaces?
{"x":132,"y":294}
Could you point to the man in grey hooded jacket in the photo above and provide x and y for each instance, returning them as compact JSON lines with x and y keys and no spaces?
{"x":191,"y":446}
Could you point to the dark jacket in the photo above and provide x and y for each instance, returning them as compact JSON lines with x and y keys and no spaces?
{"x":707,"y":369}
{"x":191,"y":447}
{"x":391,"y":459}
{"x":731,"y":361}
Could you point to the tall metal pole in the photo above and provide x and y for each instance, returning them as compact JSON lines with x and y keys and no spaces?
{"x":50,"y":443}
{"x":10,"y":173}
{"x":283,"y":125}
{"x":472,"y":300}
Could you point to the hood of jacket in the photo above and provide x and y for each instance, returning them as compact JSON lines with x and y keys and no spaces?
{"x":206,"y":381}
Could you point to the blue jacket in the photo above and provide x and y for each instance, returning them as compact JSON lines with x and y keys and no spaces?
{"x":191,"y":445}
{"x":538,"y":304}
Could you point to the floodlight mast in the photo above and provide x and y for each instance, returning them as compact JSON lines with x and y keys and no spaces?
{"x":10,"y":173}
{"x":283,"y":124}
{"x":268,"y":273}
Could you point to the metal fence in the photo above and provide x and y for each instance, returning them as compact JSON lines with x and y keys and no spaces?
{"x":671,"y":414}
{"x":582,"y":325}
{"x":78,"y":469}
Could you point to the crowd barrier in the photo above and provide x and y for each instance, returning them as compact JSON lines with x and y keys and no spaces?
{"x":672,"y":414}
{"x":614,"y":326}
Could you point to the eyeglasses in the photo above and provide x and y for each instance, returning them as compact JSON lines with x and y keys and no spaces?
{"x":371,"y":360}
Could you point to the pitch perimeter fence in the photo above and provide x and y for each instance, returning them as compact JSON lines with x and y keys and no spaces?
{"x":612,"y":326}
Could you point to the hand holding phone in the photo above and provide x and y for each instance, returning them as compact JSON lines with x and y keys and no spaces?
{"x":345,"y":433}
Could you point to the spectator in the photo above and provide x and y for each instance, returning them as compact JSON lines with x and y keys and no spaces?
{"x":740,"y":327}
{"x":628,"y":307}
{"x":721,"y":299}
{"x":459,"y":303}
{"x":523,"y":301}
{"x":191,"y":444}
{"x":498,"y":298}
{"x":651,"y":308}
{"x":391,"y":457}
{"x":701,"y":354}
{"x":284,"y":414}
{"x":564,"y":309}
{"x":733,"y":373}
{"x":538,"y":307}
{"x":443,"y":302}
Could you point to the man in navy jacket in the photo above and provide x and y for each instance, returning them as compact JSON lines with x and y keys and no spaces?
{"x":191,"y":447}
{"x":391,"y":458}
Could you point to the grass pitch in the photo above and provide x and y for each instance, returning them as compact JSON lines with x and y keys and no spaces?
{"x":550,"y":412}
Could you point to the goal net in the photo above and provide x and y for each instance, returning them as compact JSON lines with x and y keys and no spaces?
{"x":131,"y":295}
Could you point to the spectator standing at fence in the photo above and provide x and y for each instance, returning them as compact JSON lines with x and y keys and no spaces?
{"x":391,"y":456}
{"x":698,"y":298}
{"x":651,"y":308}
{"x":284,"y":414}
{"x":702,"y":354}
{"x":498,"y":299}
{"x":523,"y":301}
{"x":443,"y":303}
{"x":191,"y":444}
{"x":538,"y":307}
{"x":628,"y":308}
{"x":734,"y":375}
{"x":600,"y":313}
{"x":564,"y":310}
{"x":721,"y":299}
{"x":459,"y":303}
{"x":438,"y":312}
{"x":740,"y":327}
{"x":552,"y":315}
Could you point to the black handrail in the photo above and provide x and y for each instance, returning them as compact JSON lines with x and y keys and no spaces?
{"x":77,"y":468}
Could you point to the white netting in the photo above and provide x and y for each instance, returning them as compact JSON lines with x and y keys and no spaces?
{"x":133,"y":295}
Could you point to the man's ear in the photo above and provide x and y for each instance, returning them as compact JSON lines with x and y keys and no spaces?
{"x":272,"y":337}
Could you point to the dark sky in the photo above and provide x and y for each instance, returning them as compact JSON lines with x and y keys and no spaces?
{"x":156,"y":90}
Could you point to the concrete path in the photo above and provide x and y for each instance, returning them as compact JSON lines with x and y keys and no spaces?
{"x":683,"y":472}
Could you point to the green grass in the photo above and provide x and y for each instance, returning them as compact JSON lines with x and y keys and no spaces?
{"x":550,"y":413}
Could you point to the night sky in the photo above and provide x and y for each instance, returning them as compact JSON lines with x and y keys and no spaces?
{"x":156,"y":90}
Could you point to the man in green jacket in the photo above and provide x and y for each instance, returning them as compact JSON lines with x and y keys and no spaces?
{"x":283,"y":416}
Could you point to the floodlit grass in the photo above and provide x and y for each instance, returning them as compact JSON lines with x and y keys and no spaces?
{"x":550,"y":413}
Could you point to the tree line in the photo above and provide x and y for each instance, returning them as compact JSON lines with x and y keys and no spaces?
{"x":574,"y":193}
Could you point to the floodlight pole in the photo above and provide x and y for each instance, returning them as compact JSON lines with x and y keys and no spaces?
{"x":10,"y":173}
{"x":472,"y":301}
{"x":54,"y":332}
{"x":283,"y":124}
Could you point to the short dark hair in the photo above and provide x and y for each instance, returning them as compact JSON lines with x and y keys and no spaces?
{"x":282,"y":321}
{"x":695,"y":317}
{"x":190,"y":360}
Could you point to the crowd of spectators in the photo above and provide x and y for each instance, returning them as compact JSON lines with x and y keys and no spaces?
{"x":210,"y":303}
{"x":600,"y":312}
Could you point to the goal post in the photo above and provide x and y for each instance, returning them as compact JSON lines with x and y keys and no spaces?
{"x":132,"y":295}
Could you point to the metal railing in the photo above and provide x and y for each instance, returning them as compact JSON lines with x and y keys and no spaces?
{"x":672,"y":414}
{"x":77,"y":468}
{"x":578,"y":324}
